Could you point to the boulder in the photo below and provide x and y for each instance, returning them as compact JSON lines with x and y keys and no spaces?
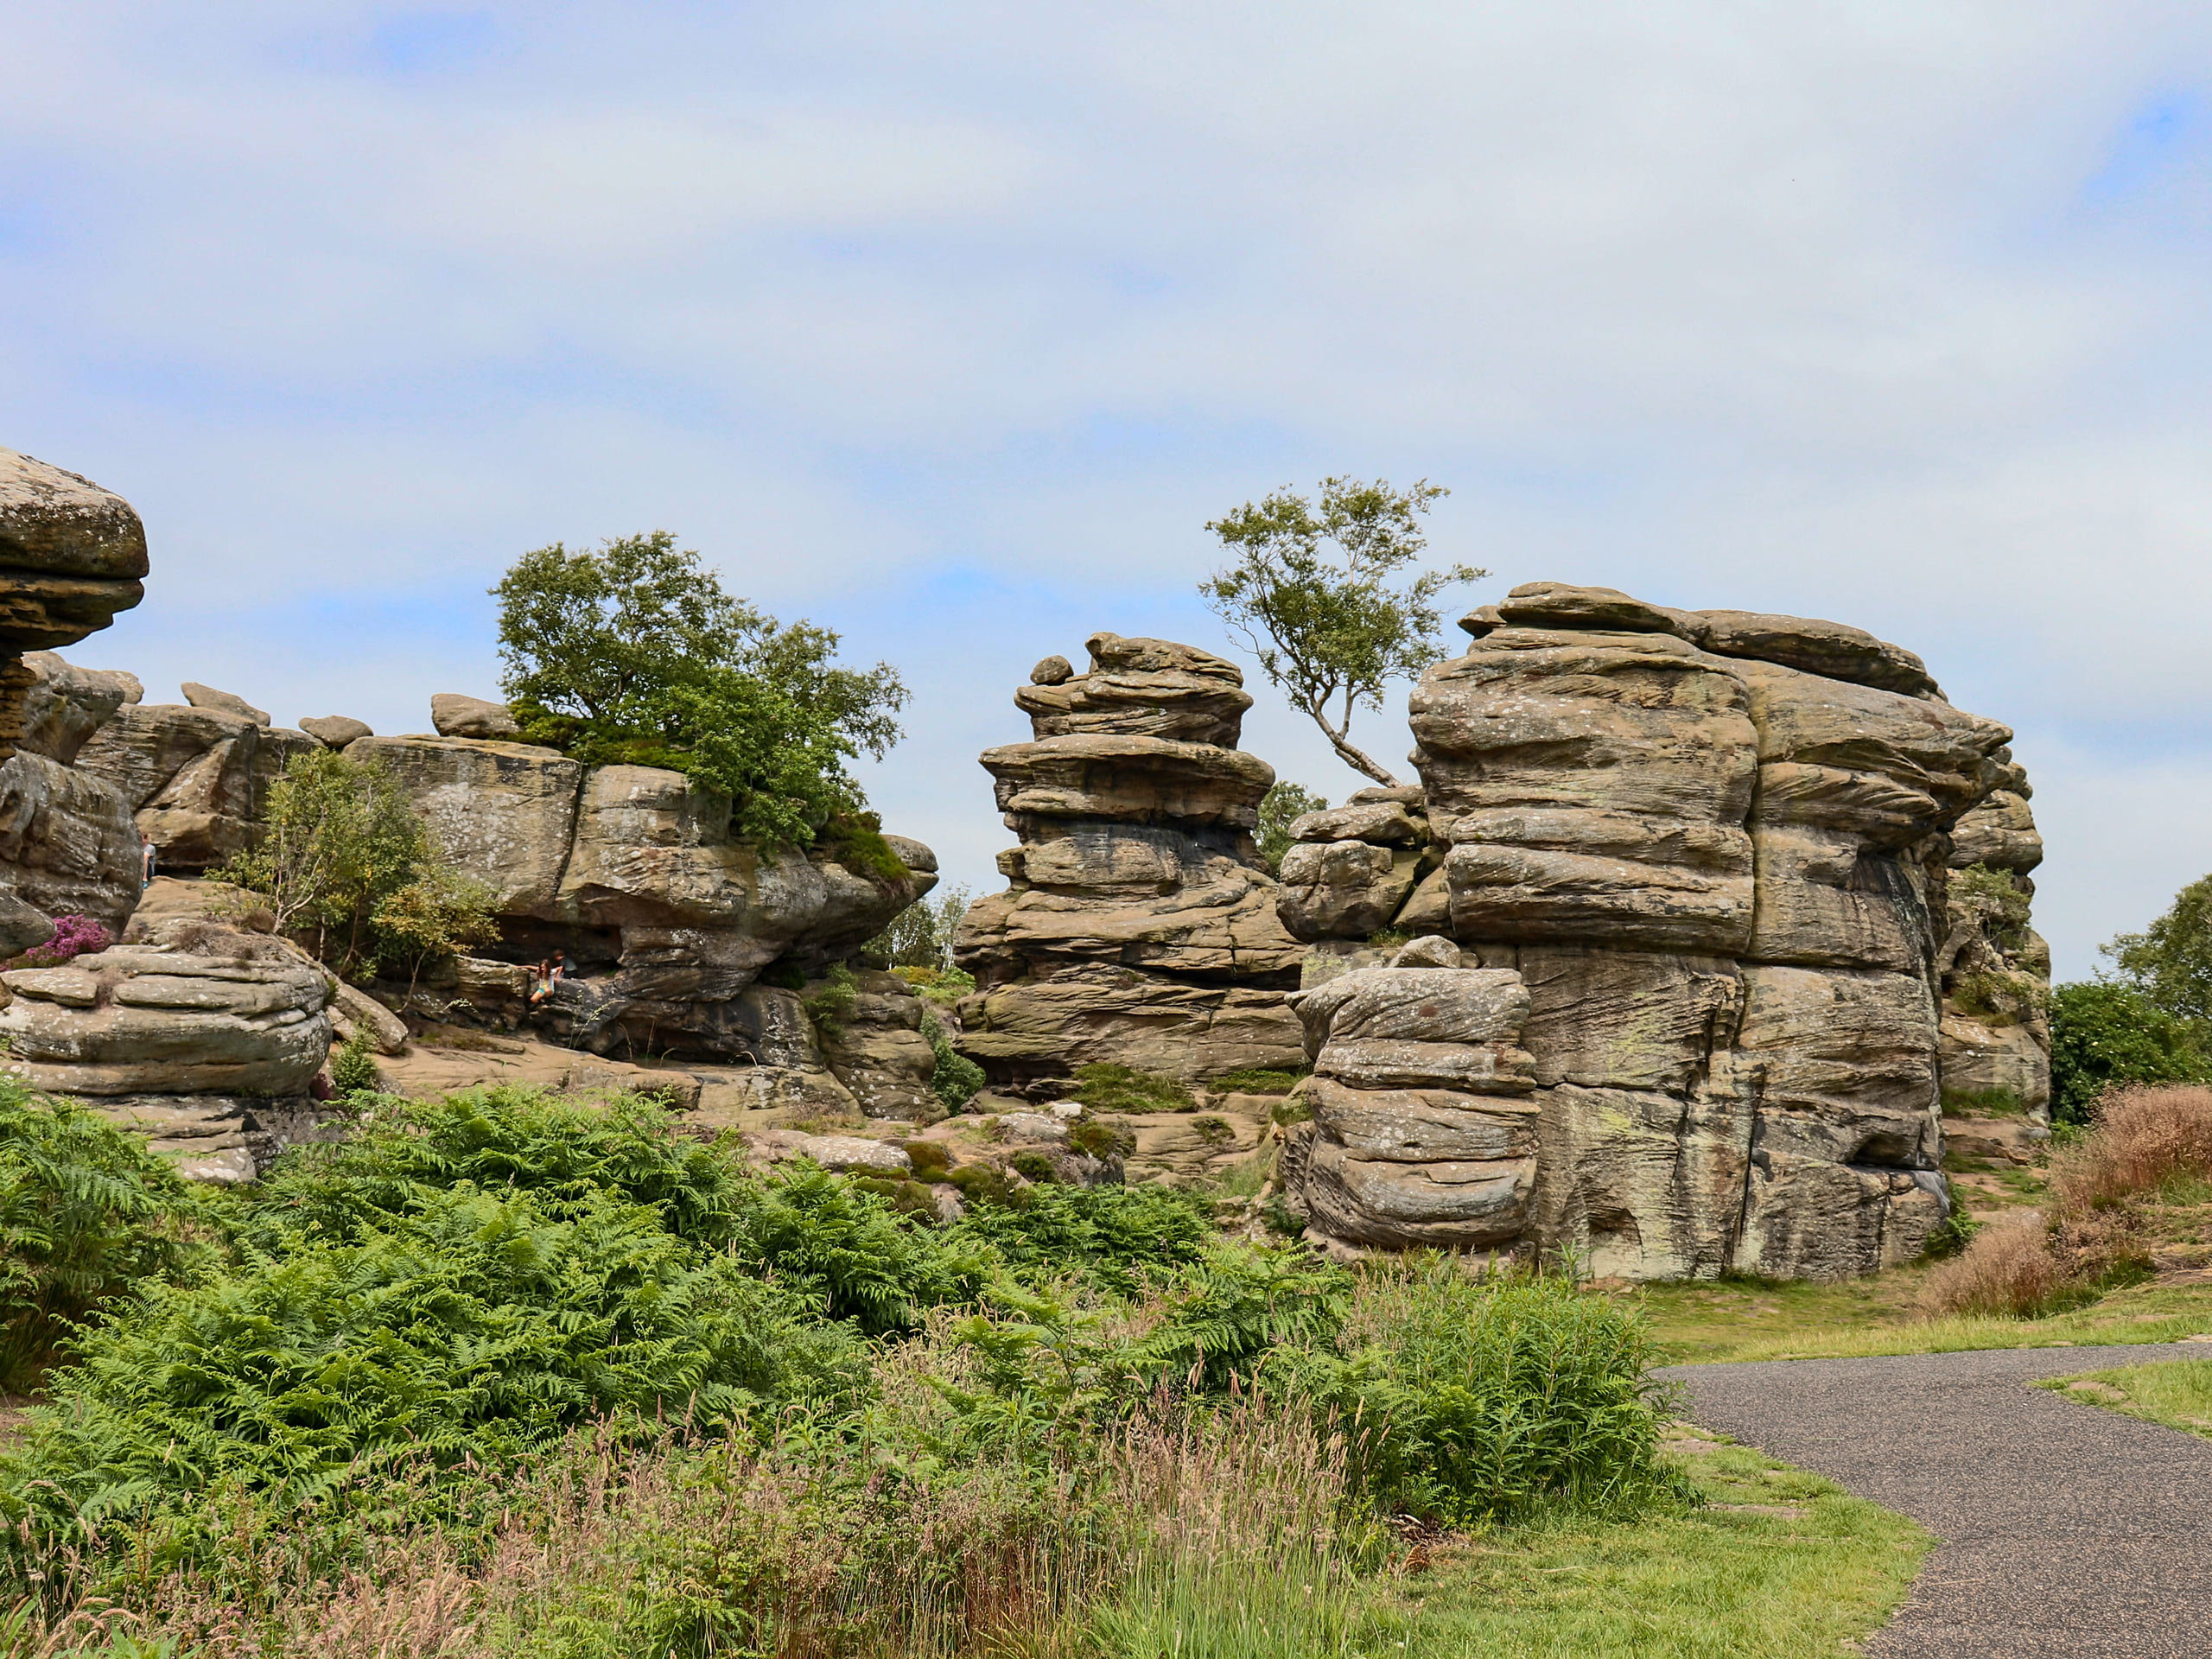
{"x":71,"y":555}
{"x":1829,"y":649}
{"x":135,"y":1021}
{"x":1345,"y":889}
{"x":228,"y":702}
{"x":1133,"y":780}
{"x":1149,"y":688}
{"x":335,"y":731}
{"x":1032,"y":1029}
{"x":454,"y":715}
{"x":503,"y":813}
{"x":65,"y":704}
{"x":194,"y":778}
{"x":876,"y":1048}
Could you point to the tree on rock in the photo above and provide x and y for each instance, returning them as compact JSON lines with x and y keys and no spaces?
{"x":633,"y":654}
{"x":1330,"y":630}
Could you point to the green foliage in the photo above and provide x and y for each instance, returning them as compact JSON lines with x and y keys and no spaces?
{"x":1103,"y":1141}
{"x":2102,"y":1034}
{"x":1106,"y":1087}
{"x":1951,"y":1235}
{"x":956,"y":1080}
{"x":1332,"y":629}
{"x":1033,"y":1166}
{"x":920,"y":935}
{"x":1993,"y":897}
{"x":85,"y":1214}
{"x":340,"y":850}
{"x":1283,"y":805}
{"x":1490,"y":1399}
{"x":2169,"y":962}
{"x":1113,"y":1234}
{"x":1260,"y":1080}
{"x":635,"y":654}
{"x":784,"y":975}
{"x":833,"y":1005}
{"x":354,"y":1066}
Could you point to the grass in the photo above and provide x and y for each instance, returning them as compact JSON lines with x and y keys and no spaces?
{"x":2175,"y":1392}
{"x":1776,"y":1565}
{"x":1751,"y":1320}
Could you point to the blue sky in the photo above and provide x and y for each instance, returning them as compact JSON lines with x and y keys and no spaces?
{"x":948,"y":326}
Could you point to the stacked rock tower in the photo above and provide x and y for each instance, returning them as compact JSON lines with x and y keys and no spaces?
{"x":1139,"y":927}
{"x":1696,"y":867}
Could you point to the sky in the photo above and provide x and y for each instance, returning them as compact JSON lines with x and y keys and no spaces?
{"x":950,"y":327}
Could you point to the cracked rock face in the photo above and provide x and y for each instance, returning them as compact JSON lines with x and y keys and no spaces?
{"x":1745,"y":877}
{"x":1140,"y":926}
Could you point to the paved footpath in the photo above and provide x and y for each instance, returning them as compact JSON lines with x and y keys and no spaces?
{"x":2068,"y":1532}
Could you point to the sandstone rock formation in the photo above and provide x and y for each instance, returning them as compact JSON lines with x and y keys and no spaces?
{"x":1994,"y":1049}
{"x":195,"y":777}
{"x":1140,"y":924}
{"x":1697,"y":863}
{"x":665,"y":920}
{"x":454,"y":715}
{"x":335,"y":731}
{"x":71,"y":555}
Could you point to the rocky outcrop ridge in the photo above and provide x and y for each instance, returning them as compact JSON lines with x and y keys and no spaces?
{"x":71,"y":555}
{"x":1994,"y":970}
{"x":1712,"y":848}
{"x":1140,"y":924}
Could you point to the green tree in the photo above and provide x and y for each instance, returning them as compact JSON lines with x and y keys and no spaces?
{"x":1280,"y":808}
{"x":921,"y":935}
{"x":633,"y":653}
{"x":2170,"y":961}
{"x":340,"y":853}
{"x":2105,"y":1034}
{"x":1330,"y":630}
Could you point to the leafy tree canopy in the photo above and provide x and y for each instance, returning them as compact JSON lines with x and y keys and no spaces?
{"x":1332,"y":628}
{"x":1280,"y":808}
{"x":2170,"y":961}
{"x":339,"y":852}
{"x":2104,"y":1034}
{"x":633,"y":653}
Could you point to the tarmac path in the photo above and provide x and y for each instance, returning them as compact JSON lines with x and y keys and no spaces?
{"x":2067,"y":1531}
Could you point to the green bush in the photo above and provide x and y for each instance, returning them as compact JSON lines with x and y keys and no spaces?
{"x":1110,"y":1233}
{"x":1476,"y":1400}
{"x":2102,"y":1034}
{"x":86,"y":1213}
{"x":956,"y":1080}
{"x":1106,"y":1087}
{"x":1281,"y":806}
{"x":354,"y":1066}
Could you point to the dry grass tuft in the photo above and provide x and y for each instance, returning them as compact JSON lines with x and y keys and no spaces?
{"x":2028,"y":1262}
{"x":2009,"y":1268}
{"x":2143,"y":1138}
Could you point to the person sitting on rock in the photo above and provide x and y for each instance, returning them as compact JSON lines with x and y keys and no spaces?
{"x":550,"y":972}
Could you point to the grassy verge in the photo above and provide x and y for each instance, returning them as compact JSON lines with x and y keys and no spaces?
{"x":1778,"y":1563}
{"x":1749,"y":1319}
{"x":2175,"y":1392}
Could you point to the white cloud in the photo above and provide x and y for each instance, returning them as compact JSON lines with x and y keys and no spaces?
{"x":1891,"y":313}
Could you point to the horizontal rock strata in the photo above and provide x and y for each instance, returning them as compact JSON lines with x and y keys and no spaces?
{"x":1139,"y":926}
{"x":1718,"y":856}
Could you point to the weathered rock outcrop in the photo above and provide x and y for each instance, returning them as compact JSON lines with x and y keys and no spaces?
{"x":1994,"y":970}
{"x":71,"y":555}
{"x":195,"y":778}
{"x":1140,"y":924}
{"x":1713,"y":851}
{"x":665,"y":919}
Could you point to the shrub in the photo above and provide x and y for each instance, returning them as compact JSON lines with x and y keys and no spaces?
{"x":833,"y":1005}
{"x":1213,"y":1131}
{"x":1032,"y":1166}
{"x":2143,"y":1138}
{"x":1106,"y":1087}
{"x":2009,"y":1268}
{"x":73,"y":936}
{"x":86,"y":1214}
{"x":1101,"y":1140}
{"x":1481,"y":1398}
{"x":339,"y":852}
{"x":354,"y":1066}
{"x":956,"y":1080}
{"x":1109,"y":1233}
{"x":2102,"y":1034}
